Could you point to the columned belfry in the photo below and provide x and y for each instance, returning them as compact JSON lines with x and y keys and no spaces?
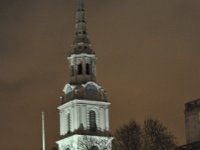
{"x":84,"y":109}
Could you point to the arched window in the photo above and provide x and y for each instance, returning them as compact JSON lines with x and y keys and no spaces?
{"x":87,"y":68}
{"x":68,"y":122}
{"x":92,"y":119}
{"x":80,"y":69}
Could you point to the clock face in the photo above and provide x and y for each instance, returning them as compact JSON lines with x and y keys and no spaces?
{"x":91,"y":90}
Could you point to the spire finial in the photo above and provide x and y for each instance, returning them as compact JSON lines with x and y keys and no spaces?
{"x":80,"y":5}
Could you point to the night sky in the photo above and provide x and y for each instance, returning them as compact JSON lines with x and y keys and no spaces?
{"x":148,"y":62}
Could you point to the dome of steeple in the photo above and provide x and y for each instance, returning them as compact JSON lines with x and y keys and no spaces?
{"x":88,"y":91}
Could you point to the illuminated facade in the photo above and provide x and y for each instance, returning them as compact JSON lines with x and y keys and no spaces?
{"x":84,"y":109}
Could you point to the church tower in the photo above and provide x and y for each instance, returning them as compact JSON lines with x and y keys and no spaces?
{"x":84,"y":109}
{"x":192,"y":121}
{"x":192,"y":126}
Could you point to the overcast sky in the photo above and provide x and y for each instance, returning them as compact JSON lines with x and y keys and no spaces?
{"x":148,"y":62}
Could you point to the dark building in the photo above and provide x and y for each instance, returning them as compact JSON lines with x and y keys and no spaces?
{"x":192,"y":126}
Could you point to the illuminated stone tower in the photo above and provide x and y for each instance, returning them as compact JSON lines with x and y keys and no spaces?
{"x":84,"y":109}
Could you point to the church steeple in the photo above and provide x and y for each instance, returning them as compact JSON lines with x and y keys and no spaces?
{"x":81,"y":42}
{"x":84,"y":109}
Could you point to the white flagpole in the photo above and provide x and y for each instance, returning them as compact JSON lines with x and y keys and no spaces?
{"x":43,"y":132}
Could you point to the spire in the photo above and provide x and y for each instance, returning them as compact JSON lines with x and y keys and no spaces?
{"x":81,"y":42}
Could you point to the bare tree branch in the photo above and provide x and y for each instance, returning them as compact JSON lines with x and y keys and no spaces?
{"x":152,"y":136}
{"x":128,"y":137}
{"x":156,"y":136}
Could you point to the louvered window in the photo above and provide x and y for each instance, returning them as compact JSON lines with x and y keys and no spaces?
{"x":92,"y":119}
